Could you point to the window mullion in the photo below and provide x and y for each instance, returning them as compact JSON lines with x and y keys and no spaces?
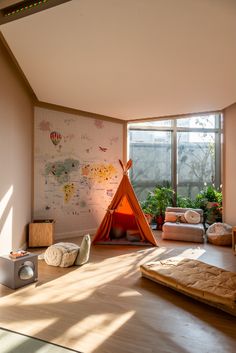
{"x":174,"y":159}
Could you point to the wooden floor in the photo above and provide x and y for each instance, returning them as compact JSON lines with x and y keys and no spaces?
{"x":105,"y":306}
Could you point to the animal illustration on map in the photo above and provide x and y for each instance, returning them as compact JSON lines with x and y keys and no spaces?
{"x":103,"y":149}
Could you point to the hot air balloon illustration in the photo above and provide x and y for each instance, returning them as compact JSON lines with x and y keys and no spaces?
{"x":55,"y":137}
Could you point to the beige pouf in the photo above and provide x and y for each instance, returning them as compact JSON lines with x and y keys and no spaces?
{"x":220,"y":234}
{"x":61,"y":254}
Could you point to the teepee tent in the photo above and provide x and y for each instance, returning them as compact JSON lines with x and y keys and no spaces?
{"x":124,"y":214}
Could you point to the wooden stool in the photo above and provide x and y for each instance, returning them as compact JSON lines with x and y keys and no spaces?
{"x":41,"y":233}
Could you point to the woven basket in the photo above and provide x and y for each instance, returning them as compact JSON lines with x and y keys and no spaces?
{"x":220,"y":234}
{"x":216,"y":239}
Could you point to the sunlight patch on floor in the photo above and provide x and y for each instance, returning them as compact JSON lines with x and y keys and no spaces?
{"x":129,"y":293}
{"x":31,"y":326}
{"x":96,"y":329}
{"x":190,"y":254}
{"x":87,"y":284}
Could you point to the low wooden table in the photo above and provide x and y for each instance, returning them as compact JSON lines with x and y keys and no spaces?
{"x":234,"y":239}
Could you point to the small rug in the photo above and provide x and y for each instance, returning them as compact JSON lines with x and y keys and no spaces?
{"x":13,"y":342}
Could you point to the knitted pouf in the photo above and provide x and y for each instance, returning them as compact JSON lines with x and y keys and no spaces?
{"x":61,"y":254}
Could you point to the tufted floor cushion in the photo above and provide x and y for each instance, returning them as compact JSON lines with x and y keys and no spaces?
{"x":196,"y":279}
{"x":61,"y":254}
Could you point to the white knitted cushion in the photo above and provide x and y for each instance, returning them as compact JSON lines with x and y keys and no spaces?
{"x":61,"y":254}
{"x":84,"y":252}
{"x":192,"y":217}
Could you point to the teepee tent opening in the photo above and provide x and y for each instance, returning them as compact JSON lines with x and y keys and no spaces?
{"x":124,"y":218}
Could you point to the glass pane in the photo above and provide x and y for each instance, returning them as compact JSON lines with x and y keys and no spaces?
{"x":195,"y":162}
{"x":146,"y":124}
{"x":151,"y":155}
{"x":200,"y":122}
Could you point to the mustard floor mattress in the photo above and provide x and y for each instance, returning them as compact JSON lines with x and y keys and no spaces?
{"x":209,"y":284}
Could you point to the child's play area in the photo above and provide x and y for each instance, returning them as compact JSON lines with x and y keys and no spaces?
{"x":118,"y":164}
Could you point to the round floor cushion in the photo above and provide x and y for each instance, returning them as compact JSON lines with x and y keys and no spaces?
{"x":61,"y":254}
{"x":220,"y":234}
{"x":192,"y":217}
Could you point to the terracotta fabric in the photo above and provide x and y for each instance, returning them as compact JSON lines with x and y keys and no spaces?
{"x":125,"y":201}
{"x":125,"y":221}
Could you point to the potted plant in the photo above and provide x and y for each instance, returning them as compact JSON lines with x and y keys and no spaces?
{"x":210,"y":201}
{"x":149,"y":207}
{"x":156,"y":202}
{"x":164,"y":198}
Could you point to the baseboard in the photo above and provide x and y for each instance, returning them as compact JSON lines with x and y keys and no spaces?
{"x":74,"y":234}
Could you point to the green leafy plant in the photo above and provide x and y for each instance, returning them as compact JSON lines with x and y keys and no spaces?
{"x":149,"y":205}
{"x":164,"y":198}
{"x":208,"y":194}
{"x":157,"y":201}
{"x":210,"y":201}
{"x":185,"y":202}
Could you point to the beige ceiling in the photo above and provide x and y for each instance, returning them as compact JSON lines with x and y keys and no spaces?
{"x":130,"y":59}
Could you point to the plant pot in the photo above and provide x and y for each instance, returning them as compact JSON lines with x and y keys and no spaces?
{"x":149,"y":217}
{"x":160,"y":221}
{"x":213,"y":213}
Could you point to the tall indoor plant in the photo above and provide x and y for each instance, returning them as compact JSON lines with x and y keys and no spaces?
{"x":164,"y":198}
{"x":156,"y":203}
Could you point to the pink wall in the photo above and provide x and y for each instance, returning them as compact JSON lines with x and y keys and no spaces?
{"x":230,"y":165}
{"x":16,"y":138}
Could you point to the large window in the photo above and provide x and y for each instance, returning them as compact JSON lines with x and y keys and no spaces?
{"x":183,"y":153}
{"x":151,"y":155}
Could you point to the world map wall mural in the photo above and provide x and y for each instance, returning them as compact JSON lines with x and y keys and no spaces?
{"x":76,"y":169}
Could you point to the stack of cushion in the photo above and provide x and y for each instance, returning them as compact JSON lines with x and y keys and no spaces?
{"x":183,"y":224}
{"x":189,"y":216}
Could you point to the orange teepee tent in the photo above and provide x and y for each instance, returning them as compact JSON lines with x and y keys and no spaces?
{"x":124,"y":212}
